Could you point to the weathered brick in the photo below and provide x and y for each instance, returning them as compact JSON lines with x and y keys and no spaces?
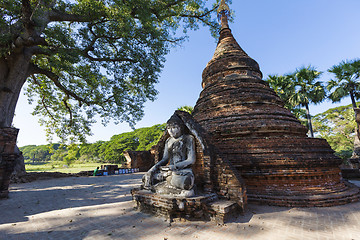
{"x":8,"y":138}
{"x":266,"y":145}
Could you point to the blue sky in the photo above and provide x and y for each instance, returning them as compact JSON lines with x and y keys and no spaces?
{"x":281,"y":35}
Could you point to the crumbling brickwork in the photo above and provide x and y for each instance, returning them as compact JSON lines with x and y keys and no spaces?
{"x":8,"y":138}
{"x":262,"y":140}
{"x":215,"y":179}
{"x":143,"y":160}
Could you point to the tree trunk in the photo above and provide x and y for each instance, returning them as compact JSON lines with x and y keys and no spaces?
{"x":14,"y":70}
{"x":353,"y":102}
{"x":309,"y":120}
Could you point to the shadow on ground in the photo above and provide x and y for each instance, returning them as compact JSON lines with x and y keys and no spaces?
{"x":44,"y":196}
{"x":101,"y":208}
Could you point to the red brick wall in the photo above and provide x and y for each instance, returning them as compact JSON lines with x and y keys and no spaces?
{"x":8,"y":138}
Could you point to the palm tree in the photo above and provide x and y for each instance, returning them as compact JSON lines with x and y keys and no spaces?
{"x":346,"y":82}
{"x":186,"y":108}
{"x":284,"y":87}
{"x":307,"y":90}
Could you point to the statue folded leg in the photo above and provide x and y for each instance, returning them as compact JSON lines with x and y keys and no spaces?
{"x":183,"y":179}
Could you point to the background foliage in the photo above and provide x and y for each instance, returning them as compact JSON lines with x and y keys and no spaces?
{"x":337,"y":126}
{"x":87,"y":58}
{"x":102,"y":151}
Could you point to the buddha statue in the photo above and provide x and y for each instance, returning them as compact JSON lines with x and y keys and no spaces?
{"x":173,"y":174}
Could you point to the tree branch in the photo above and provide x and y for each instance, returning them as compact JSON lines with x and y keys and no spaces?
{"x":198,"y":16}
{"x":42,"y":99}
{"x":174,"y":3}
{"x":57,"y":16}
{"x":27,"y":12}
{"x":105,"y":59}
{"x":70,"y":112}
{"x":35,"y":50}
{"x":53,"y":77}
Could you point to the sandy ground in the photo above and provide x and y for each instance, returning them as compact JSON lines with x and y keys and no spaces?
{"x":102,"y":208}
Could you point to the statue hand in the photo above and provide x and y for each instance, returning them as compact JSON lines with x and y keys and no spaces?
{"x":172,"y":167}
{"x":152,"y":170}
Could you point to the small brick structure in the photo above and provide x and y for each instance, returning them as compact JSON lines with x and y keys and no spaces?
{"x":143,"y":160}
{"x":109,"y":168}
{"x":8,"y":138}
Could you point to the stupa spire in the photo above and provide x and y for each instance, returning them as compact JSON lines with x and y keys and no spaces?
{"x":223,"y":14}
{"x":262,"y":140}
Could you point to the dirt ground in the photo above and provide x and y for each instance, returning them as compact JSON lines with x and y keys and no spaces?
{"x":102,"y":208}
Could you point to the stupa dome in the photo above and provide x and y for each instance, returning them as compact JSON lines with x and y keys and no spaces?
{"x":264,"y":141}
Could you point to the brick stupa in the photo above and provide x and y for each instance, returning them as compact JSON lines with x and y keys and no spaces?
{"x":262,"y":140}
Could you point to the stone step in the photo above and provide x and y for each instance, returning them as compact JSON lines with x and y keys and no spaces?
{"x":352,"y":194}
{"x":222,"y":211}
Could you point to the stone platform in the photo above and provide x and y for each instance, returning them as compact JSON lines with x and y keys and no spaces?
{"x":350,"y":195}
{"x":202,"y":207}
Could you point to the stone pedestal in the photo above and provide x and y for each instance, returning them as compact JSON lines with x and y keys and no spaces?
{"x":8,"y":138}
{"x":202,"y":207}
{"x":220,"y":193}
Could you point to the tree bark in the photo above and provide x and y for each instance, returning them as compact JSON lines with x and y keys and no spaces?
{"x":14,"y":70}
{"x":309,"y":120}
{"x":353,"y":99}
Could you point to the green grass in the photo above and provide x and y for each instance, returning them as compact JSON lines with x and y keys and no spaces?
{"x":60,"y":167}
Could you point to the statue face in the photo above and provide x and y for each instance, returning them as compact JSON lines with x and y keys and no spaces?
{"x":174,"y":131}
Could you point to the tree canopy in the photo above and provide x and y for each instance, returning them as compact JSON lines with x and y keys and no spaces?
{"x":346,"y":82}
{"x":284,"y":87}
{"x":102,"y":151}
{"x":87,"y":58}
{"x":307,"y":90}
{"x":186,"y":108}
{"x":299,"y":89}
{"x":337,"y":126}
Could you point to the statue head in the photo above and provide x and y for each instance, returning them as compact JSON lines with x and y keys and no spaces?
{"x":175,"y":126}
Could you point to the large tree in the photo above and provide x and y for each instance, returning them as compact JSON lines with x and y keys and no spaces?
{"x":83,"y":58}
